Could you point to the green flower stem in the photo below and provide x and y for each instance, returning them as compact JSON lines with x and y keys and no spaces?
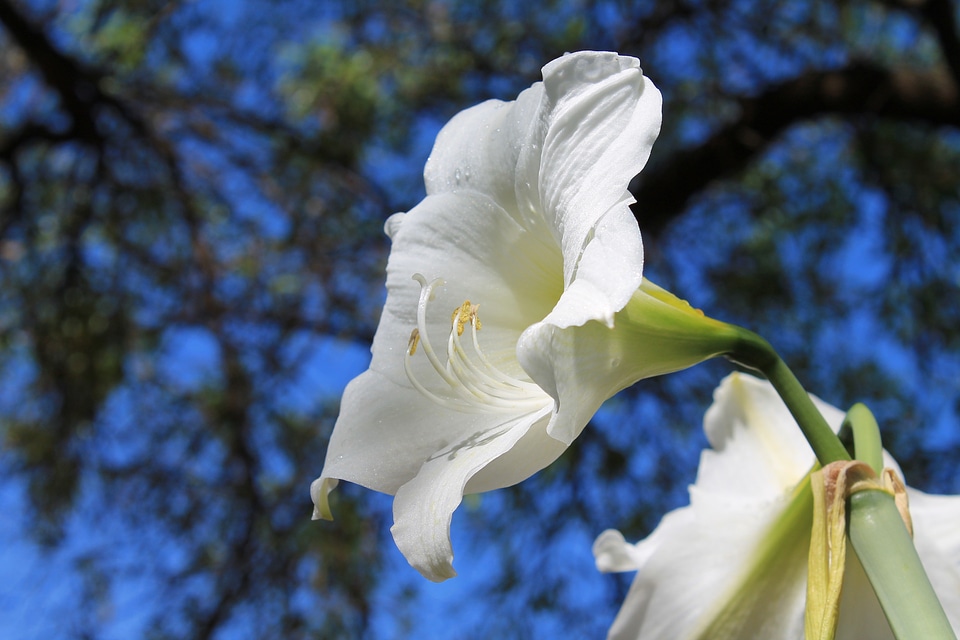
{"x":891,"y":562}
{"x":756,"y":353}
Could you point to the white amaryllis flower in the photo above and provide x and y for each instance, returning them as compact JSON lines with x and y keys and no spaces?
{"x":527,"y":225}
{"x":733,"y":564}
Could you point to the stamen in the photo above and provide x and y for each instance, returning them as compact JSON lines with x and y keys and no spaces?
{"x":464,"y":314}
{"x":414,"y":341}
{"x":475,"y":383}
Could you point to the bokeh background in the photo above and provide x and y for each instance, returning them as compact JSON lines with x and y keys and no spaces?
{"x":192,"y":196}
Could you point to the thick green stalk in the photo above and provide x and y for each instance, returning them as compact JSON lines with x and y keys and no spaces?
{"x":866,"y":436}
{"x":891,"y":562}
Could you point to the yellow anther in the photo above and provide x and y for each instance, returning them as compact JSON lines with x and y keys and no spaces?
{"x":414,"y":341}
{"x":464,"y":314}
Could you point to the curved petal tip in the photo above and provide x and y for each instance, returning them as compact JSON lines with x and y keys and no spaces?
{"x":612,"y":553}
{"x":571,"y":70}
{"x":319,"y":492}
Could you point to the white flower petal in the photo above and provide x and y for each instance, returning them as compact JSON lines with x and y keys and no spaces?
{"x":479,"y":149}
{"x":699,"y":558}
{"x":385,"y":431}
{"x":606,"y":270}
{"x":534,"y":451}
{"x":936,"y":535}
{"x":604,"y":121}
{"x":572,"y":145}
{"x":612,"y":553}
{"x":758,"y":451}
{"x":423,"y":507}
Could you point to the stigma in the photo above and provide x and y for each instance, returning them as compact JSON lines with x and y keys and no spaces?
{"x":468,"y":381}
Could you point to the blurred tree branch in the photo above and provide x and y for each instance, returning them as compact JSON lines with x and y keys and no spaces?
{"x":77,"y":85}
{"x":941,"y":16}
{"x":861,"y":90}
